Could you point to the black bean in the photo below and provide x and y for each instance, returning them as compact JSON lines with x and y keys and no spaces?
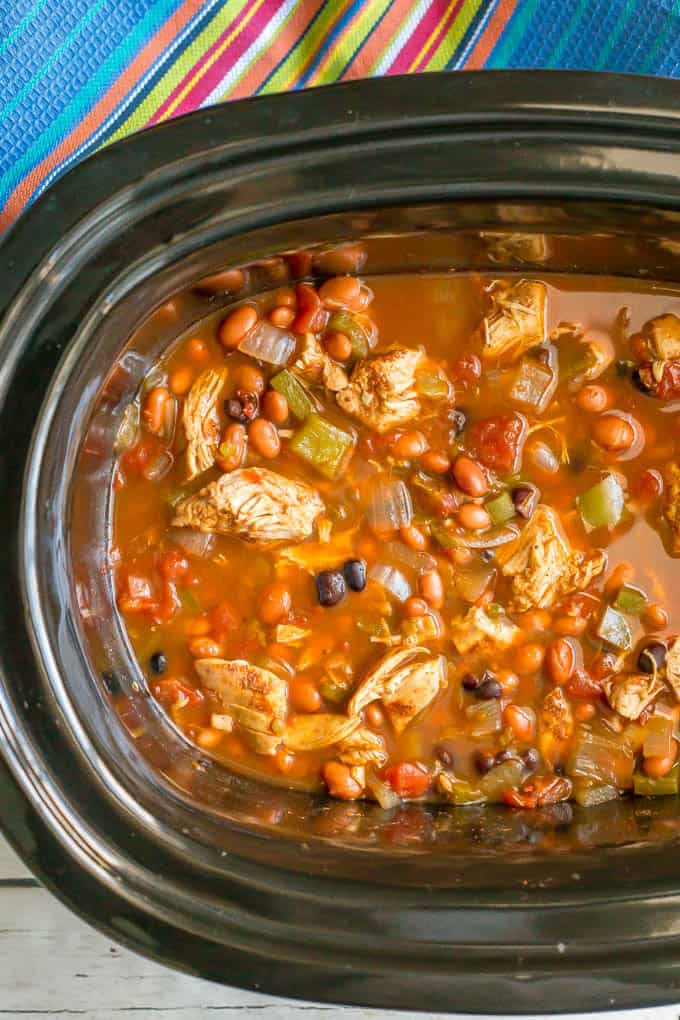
{"x":532,"y":758}
{"x":250,"y":405}
{"x":244,"y":407}
{"x":158,"y":663}
{"x":330,"y":587}
{"x":637,"y":381}
{"x":489,"y":689}
{"x":525,"y":498}
{"x":652,"y":657}
{"x":458,"y":419}
{"x":355,"y":574}
{"x":443,"y":755}
{"x":471,"y":682}
{"x":111,"y":682}
{"x":484,"y":761}
{"x":506,"y":755}
{"x":234,"y":409}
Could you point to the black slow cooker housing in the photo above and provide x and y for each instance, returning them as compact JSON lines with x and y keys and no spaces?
{"x":478,"y":909}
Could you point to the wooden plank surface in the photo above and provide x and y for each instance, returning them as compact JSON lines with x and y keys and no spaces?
{"x":54,"y":965}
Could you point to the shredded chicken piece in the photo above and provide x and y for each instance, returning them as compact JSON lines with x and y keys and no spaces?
{"x":555,"y":725}
{"x":288,"y":634}
{"x":406,"y":680}
{"x":254,"y":503}
{"x":363,"y":747}
{"x":517,"y":319}
{"x":314,"y":732}
{"x":631,"y":693}
{"x":316,"y":366}
{"x":671,"y":502}
{"x":201,"y":421}
{"x":673,"y":667}
{"x":477,"y":628}
{"x":256,"y":698}
{"x":663,"y":335}
{"x":543,"y":565}
{"x":381,"y":392}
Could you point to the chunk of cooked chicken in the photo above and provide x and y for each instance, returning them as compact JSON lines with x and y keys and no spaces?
{"x":673,"y":667}
{"x":363,"y":747}
{"x":254,"y":503}
{"x":406,"y":681}
{"x":671,"y":503}
{"x":516,"y":321}
{"x":477,"y":628}
{"x":381,"y":392}
{"x":201,"y":420}
{"x":316,"y":366}
{"x":542,"y":564}
{"x":314,"y":732}
{"x":663,"y":336}
{"x":255,"y":698}
{"x":631,"y":693}
{"x":555,"y":725}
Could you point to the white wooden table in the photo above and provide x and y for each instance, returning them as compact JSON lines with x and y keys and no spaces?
{"x":54,"y":965}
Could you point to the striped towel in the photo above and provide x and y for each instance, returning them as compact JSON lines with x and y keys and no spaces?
{"x":78,"y":74}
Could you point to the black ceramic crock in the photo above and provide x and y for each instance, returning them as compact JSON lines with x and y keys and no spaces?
{"x":477,"y":909}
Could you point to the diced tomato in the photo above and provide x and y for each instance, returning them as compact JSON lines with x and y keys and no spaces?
{"x":581,"y":604}
{"x":668,"y":386}
{"x":311,"y":314}
{"x":408,"y":778}
{"x":467,"y":370}
{"x":173,"y":692}
{"x":539,"y":792}
{"x":136,"y":596}
{"x":224,"y":618}
{"x":582,"y":685}
{"x":497,"y":442}
{"x":173,"y":565}
{"x":134,"y":460}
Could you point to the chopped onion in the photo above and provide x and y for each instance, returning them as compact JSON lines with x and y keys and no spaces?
{"x":392,"y":581}
{"x":601,"y":759}
{"x":471,"y":582}
{"x":383,"y":793}
{"x":220,"y":721}
{"x":389,"y":506}
{"x":542,"y":457}
{"x":128,"y":429}
{"x":159,"y":466}
{"x":489,"y":540}
{"x":658,"y":737}
{"x":485,"y":718}
{"x":506,"y":776}
{"x":169,"y":419}
{"x":268,"y":343}
{"x":196,"y":543}
{"x":421,"y":562}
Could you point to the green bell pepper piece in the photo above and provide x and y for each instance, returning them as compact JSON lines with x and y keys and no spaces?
{"x":343,"y":322}
{"x":657,"y":786}
{"x":614,"y":630}
{"x":601,"y":506}
{"x":501,"y":508}
{"x":630,"y":600}
{"x":323,"y":445}
{"x":300,"y":402}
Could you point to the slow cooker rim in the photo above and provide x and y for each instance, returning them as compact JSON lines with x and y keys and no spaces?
{"x":34,"y":214}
